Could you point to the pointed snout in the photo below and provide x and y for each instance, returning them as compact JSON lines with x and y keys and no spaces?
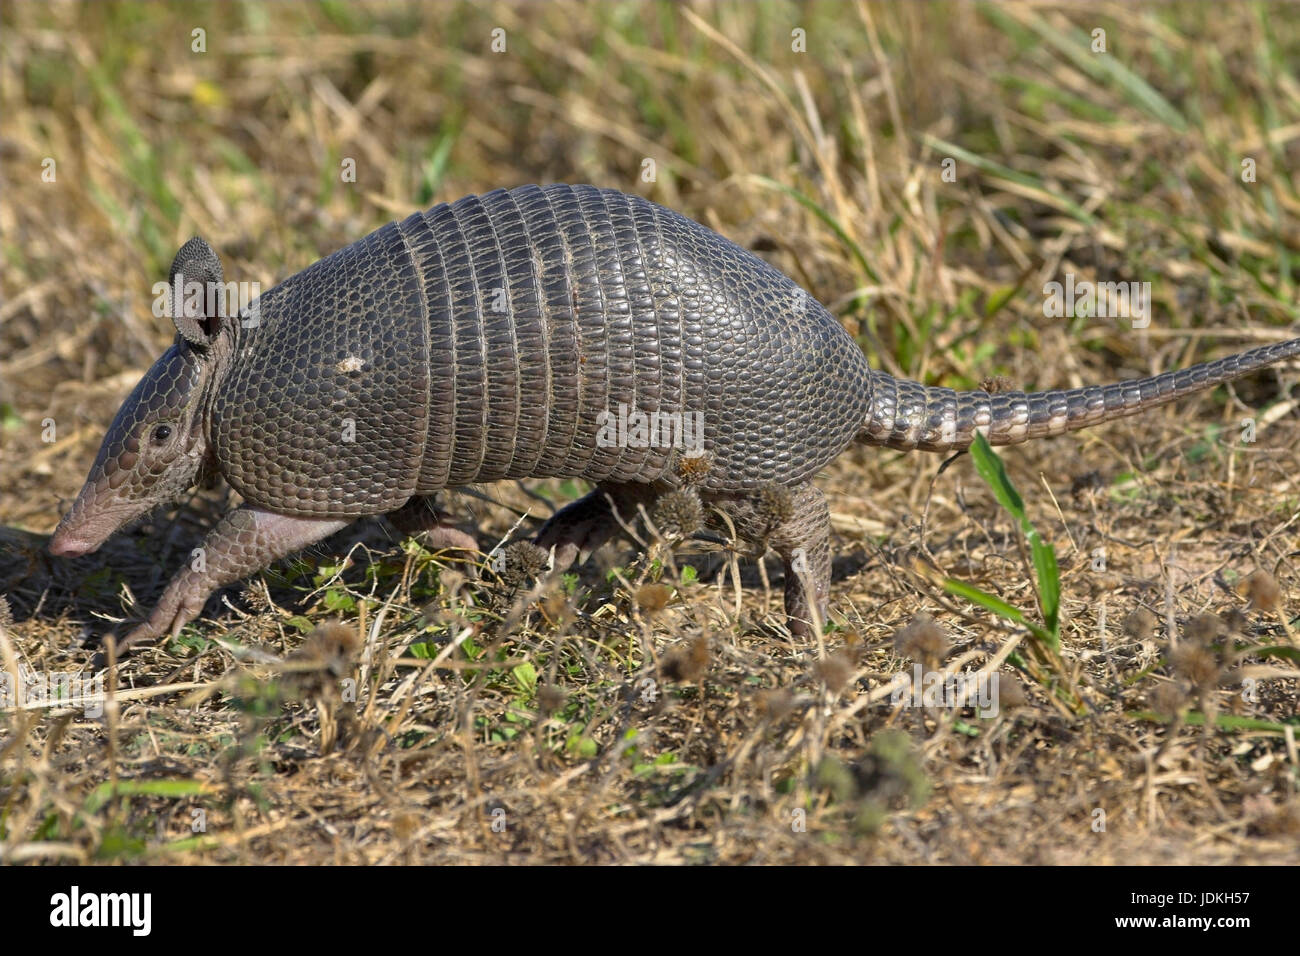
{"x":74,"y":537}
{"x":85,"y":527}
{"x":65,"y":544}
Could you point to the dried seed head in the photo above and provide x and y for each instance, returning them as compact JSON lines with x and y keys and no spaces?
{"x":331,"y":647}
{"x":556,"y":604}
{"x":524,"y":561}
{"x":775,"y":503}
{"x":1011,"y":692}
{"x":451,"y":581}
{"x":1140,"y":625}
{"x":1234,"y":619}
{"x":775,"y":704}
{"x":653,"y":598}
{"x":996,"y":384}
{"x":1262,"y":590}
{"x":923,"y":640}
{"x":689,"y":663}
{"x":254,"y":596}
{"x":1086,"y":482}
{"x":406,"y":825}
{"x":1168,"y":699}
{"x":1204,"y":628}
{"x":332,"y":639}
{"x":1103,"y":583}
{"x":6,"y":612}
{"x":835,"y":671}
{"x":431,"y":614}
{"x":693,"y":470}
{"x":550,"y":698}
{"x":679,"y":512}
{"x":1197,"y":664}
{"x":1281,"y":821}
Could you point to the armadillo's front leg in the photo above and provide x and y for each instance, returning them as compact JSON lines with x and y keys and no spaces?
{"x":244,"y":541}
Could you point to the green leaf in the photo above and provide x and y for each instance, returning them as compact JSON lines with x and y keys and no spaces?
{"x":998,"y":299}
{"x":1286,"y":653}
{"x":435,"y":168}
{"x":1046,"y":571}
{"x":994,"y":473}
{"x":997,"y":606}
{"x":336,"y":600}
{"x":525,"y":676}
{"x":1049,"y":584}
{"x":105,"y":792}
{"x":1107,"y":66}
{"x":1195,"y":718}
{"x":582,"y":745}
{"x":326,"y":571}
{"x":984,"y":599}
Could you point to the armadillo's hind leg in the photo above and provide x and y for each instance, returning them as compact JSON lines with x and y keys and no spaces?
{"x":795,"y":523}
{"x":804,"y":543}
{"x":244,"y":541}
{"x":422,"y":516}
{"x":578,"y":529}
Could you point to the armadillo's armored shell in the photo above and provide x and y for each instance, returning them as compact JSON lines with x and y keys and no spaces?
{"x":549,"y":306}
{"x":324,"y":410}
{"x":487,"y":338}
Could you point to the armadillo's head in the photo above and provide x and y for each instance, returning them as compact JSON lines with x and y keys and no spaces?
{"x":157,"y":446}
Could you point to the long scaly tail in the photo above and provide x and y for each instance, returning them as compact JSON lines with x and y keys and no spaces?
{"x":908,"y":415}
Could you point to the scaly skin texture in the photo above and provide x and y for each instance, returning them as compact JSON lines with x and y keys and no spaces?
{"x":906,"y":415}
{"x":484,"y":339}
{"x":488,"y":338}
{"x":244,"y":541}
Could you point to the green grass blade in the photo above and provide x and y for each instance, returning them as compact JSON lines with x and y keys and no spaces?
{"x":816,"y":209}
{"x":1046,"y":571}
{"x":1195,"y":718}
{"x":995,"y":604}
{"x":994,"y":473}
{"x":1049,"y":584}
{"x":1035,"y":186}
{"x":984,"y":599}
{"x":105,"y":792}
{"x":1110,"y":67}
{"x":1291,"y":654}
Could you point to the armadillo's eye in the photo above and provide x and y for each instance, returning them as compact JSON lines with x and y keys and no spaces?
{"x":161,"y":434}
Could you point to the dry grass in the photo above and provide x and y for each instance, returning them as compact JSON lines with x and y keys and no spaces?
{"x":639,"y":711}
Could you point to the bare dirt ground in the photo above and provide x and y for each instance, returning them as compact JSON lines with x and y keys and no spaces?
{"x":371,"y":702}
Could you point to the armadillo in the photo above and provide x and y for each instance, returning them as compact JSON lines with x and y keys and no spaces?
{"x":491,"y":338}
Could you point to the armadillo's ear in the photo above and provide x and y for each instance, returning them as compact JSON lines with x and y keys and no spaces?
{"x":198,"y":292}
